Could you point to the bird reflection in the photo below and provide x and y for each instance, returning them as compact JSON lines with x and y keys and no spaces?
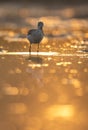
{"x":35,"y":59}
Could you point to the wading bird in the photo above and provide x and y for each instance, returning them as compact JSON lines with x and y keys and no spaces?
{"x":35,"y":36}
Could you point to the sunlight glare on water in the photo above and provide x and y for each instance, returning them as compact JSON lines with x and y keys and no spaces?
{"x":45,"y":90}
{"x":57,"y":111}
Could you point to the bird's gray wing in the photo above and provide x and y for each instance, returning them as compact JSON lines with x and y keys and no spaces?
{"x":30,"y":32}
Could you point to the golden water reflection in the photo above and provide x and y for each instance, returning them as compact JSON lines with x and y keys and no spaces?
{"x":57,"y":111}
{"x":17,"y":108}
{"x":47,"y":90}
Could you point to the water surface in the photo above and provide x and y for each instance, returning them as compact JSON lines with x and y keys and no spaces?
{"x":47,"y":90}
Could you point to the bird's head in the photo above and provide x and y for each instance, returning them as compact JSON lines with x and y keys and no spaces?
{"x":40,"y":25}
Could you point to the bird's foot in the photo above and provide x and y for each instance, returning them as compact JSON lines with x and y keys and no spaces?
{"x":37,"y":52}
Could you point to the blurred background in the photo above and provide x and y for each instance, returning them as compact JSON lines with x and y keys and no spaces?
{"x":47,"y":90}
{"x":50,"y":2}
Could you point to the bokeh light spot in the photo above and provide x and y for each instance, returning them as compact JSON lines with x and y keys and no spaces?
{"x":43,"y":97}
{"x":56,"y":111}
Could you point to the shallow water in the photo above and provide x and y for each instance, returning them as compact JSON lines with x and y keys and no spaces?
{"x":47,"y":90}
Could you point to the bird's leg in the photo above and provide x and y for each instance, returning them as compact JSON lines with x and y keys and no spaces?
{"x":30,"y":49}
{"x":38,"y":48}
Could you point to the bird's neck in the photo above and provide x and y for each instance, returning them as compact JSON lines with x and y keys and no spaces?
{"x":40,"y":28}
